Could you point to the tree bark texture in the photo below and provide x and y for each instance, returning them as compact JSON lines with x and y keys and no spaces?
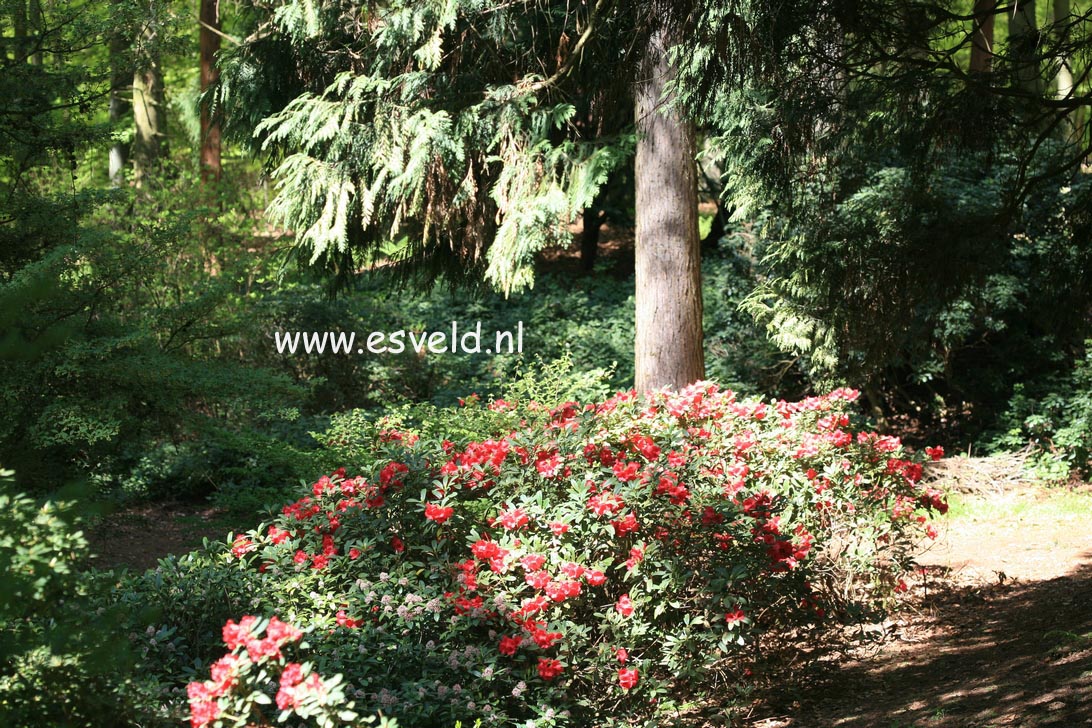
{"x":149,"y":115}
{"x":668,"y":344}
{"x":121,"y":77}
{"x":1024,"y":48}
{"x":982,"y":36}
{"x":589,"y":239}
{"x":210,"y":127}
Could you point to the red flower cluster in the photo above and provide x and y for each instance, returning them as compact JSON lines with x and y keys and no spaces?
{"x":295,"y":686}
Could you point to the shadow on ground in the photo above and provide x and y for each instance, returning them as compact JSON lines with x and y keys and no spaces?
{"x":1003,"y":654}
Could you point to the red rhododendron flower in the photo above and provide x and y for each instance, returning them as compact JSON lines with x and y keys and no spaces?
{"x":571,"y":570}
{"x":293,"y":690}
{"x":538,"y":579}
{"x":544,"y":639}
{"x":605,"y":504}
{"x":624,"y":525}
{"x":558,"y":528}
{"x":531,"y":606}
{"x":389,"y":476}
{"x":622,"y":654}
{"x":628,"y":677}
{"x":203,"y":712}
{"x":509,"y":645}
{"x":513,"y":518}
{"x":624,"y":606}
{"x":532,"y":562}
{"x":439,"y":514}
{"x":934,"y":453}
{"x":242,"y":545}
{"x":397,"y":545}
{"x":277,"y":535}
{"x":737,"y":615}
{"x":485,"y":550}
{"x":548,"y":668}
{"x":223,"y":675}
{"x":300,"y":557}
{"x":344,"y":620}
{"x":548,"y":464}
{"x":282,"y":632}
{"x":625,"y":471}
{"x":595,"y":577}
{"x":236,"y":635}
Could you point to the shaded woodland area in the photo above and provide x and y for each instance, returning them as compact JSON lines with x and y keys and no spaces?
{"x":769,"y":262}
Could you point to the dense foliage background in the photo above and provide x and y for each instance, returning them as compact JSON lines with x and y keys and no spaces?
{"x":893,"y":197}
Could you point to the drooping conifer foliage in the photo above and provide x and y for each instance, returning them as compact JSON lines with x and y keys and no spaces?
{"x":461,"y":137}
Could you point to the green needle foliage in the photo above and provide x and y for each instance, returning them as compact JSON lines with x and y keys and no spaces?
{"x":447,"y":137}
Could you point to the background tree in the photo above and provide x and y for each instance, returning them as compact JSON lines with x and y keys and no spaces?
{"x":209,"y":19}
{"x":452,"y":134}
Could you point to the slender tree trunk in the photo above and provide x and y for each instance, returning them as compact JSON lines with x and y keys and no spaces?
{"x":210,"y":127}
{"x":36,"y":26}
{"x":1061,"y":14}
{"x":589,"y":239}
{"x":982,"y":36}
{"x":19,"y":28}
{"x":668,"y":344}
{"x":1024,"y":48}
{"x":121,"y":76}
{"x":149,"y":115}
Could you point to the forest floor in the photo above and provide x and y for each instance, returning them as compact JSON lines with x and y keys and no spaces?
{"x":996,"y":629}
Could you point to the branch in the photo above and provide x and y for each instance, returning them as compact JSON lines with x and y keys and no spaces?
{"x":570,"y":61}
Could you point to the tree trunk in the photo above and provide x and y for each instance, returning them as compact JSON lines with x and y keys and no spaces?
{"x":210,"y":127}
{"x":1024,"y":48}
{"x":37,"y":30}
{"x":121,"y":76}
{"x":19,"y":28}
{"x":149,"y":114}
{"x":1061,"y":15}
{"x":668,"y":344}
{"x":589,"y":239}
{"x":982,"y":36}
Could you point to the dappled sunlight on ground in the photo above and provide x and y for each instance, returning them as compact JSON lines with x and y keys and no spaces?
{"x":998,"y":631}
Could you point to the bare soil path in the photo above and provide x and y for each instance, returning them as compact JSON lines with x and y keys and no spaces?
{"x":997,"y":630}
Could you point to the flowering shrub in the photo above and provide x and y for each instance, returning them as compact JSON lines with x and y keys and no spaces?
{"x":233,"y":694}
{"x":592,"y":564}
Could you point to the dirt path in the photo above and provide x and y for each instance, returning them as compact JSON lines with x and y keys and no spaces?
{"x":137,"y":537}
{"x":997,"y":632}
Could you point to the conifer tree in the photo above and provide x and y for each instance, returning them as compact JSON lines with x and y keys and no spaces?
{"x":452,"y":127}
